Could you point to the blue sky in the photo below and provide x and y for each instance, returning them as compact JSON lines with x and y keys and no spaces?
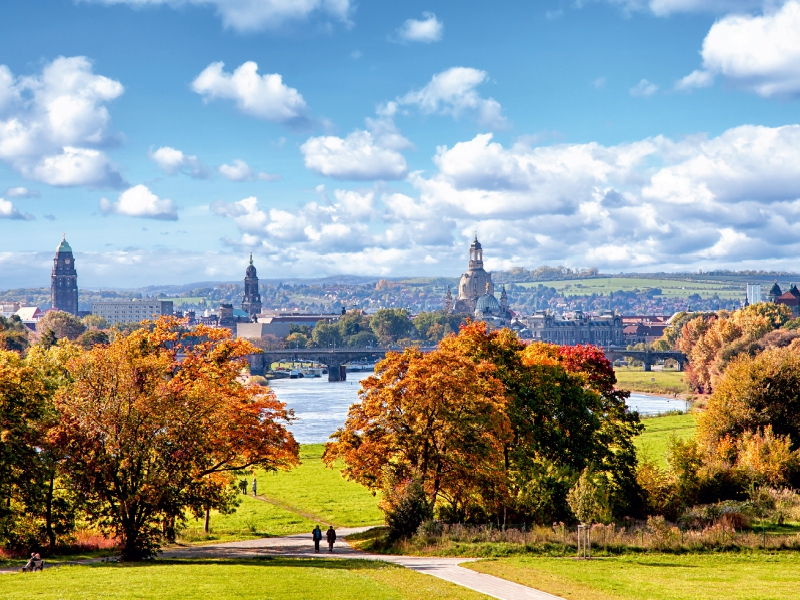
{"x":170,"y":138}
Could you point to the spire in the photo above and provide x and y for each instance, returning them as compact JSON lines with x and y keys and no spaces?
{"x":251,"y":258}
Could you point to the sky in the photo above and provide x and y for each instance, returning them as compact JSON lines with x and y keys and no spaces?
{"x":168,"y":139}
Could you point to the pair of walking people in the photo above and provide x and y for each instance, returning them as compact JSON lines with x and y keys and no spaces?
{"x":316,"y":535}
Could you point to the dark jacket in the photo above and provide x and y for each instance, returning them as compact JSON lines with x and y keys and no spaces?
{"x":331,"y":535}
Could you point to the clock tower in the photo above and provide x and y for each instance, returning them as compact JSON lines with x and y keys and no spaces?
{"x":64,"y":280}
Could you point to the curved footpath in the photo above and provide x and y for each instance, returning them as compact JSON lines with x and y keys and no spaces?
{"x":301,"y":546}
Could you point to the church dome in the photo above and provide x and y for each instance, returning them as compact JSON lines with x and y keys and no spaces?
{"x":251,"y":271}
{"x":488,"y":304}
{"x":776,"y":290}
{"x":63,"y":246}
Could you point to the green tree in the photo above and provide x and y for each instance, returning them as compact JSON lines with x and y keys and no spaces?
{"x":62,"y":324}
{"x":13,"y":334}
{"x":433,"y":326}
{"x":296,"y":340}
{"x":389,"y":324}
{"x":92,"y":338}
{"x":326,"y":335}
{"x":95,"y":321}
{"x":585,"y":499}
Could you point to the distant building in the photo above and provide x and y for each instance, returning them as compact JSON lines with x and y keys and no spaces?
{"x":580,"y":328}
{"x":774,"y":292}
{"x":476,"y":282}
{"x":9,"y":308}
{"x":131,"y":311}
{"x":255,"y":331}
{"x":30,"y":316}
{"x":643,"y":329}
{"x":251,"y":300}
{"x":790,"y":298}
{"x":296,"y":318}
{"x":64,"y":280}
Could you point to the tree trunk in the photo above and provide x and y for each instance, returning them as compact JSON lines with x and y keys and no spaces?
{"x":51,"y":535}
{"x":208,"y":516}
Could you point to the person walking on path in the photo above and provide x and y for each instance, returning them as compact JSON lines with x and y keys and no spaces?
{"x":316,"y":534}
{"x":254,"y":485}
{"x":243,"y":486}
{"x":331,"y":535}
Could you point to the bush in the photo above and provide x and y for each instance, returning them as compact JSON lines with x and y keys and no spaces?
{"x":406,"y":507}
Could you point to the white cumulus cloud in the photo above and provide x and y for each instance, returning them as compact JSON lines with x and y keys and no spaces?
{"x":453,"y":92}
{"x":254,"y":15}
{"x":9,"y":211}
{"x":760,"y":53}
{"x":261,"y":96}
{"x":139,"y":201}
{"x":239,"y":170}
{"x":428,"y":29}
{"x":173,"y":161}
{"x":356,"y":157}
{"x":54,"y":125}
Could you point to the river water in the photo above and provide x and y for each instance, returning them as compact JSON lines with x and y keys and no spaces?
{"x":321,"y":406}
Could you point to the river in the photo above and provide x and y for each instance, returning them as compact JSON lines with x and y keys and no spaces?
{"x":321,"y":406}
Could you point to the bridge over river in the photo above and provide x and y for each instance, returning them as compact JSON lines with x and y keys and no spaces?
{"x":334,"y":359}
{"x":648,"y":357}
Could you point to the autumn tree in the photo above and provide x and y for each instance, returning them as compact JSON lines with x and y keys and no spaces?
{"x":438,"y":419}
{"x":157,"y":423}
{"x":23,"y":406}
{"x":493,"y":430}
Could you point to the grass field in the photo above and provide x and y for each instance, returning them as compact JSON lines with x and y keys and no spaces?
{"x":755,"y":576}
{"x":674,"y":288}
{"x":286,"y":579}
{"x":321,"y":493}
{"x":254,"y":518}
{"x":654,"y":382}
{"x":652,"y":444}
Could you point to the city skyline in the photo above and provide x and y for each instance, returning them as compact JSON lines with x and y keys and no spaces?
{"x":171,"y":139}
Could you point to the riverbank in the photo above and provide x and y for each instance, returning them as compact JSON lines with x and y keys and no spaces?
{"x":664,"y":383}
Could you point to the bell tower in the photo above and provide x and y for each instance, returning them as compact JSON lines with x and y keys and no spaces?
{"x":64,"y":279}
{"x":251,"y":300}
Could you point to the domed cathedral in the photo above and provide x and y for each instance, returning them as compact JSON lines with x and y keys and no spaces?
{"x":64,"y":279}
{"x":251,"y":300}
{"x":474,"y":283}
{"x":476,"y":292}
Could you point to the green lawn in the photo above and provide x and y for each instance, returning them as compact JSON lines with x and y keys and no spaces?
{"x":254,"y":518}
{"x":654,"y":382}
{"x":652,"y":444}
{"x":321,"y":493}
{"x":255,"y":579}
{"x":755,"y":576}
{"x":675,"y":288}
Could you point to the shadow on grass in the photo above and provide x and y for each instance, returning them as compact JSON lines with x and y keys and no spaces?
{"x":341,"y":564}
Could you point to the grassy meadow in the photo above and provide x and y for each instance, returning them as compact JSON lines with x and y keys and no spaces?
{"x":652,"y":443}
{"x":653,"y":382}
{"x":320,"y":493}
{"x":253,"y":579}
{"x":674,"y":288}
{"x":729,"y":576}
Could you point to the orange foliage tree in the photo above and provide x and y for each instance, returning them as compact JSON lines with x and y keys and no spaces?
{"x":158,"y":422}
{"x":493,"y":430}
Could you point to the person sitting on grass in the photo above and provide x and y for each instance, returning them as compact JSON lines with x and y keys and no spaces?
{"x":331,"y":535}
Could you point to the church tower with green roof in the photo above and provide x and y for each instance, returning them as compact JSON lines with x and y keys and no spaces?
{"x":64,"y":280}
